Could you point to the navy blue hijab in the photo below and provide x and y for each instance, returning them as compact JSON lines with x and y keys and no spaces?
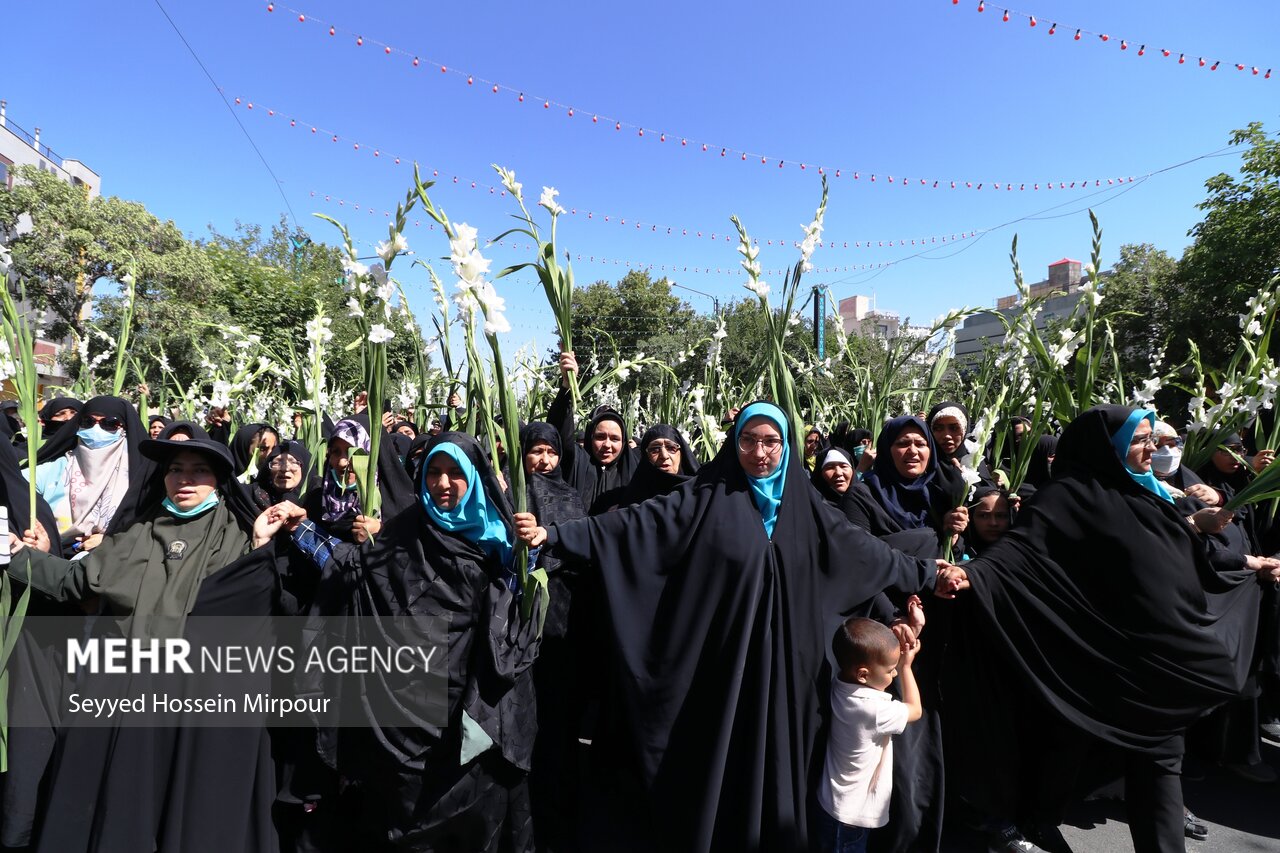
{"x":906,"y":501}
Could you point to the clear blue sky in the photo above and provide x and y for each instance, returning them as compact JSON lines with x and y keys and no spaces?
{"x":921,"y":89}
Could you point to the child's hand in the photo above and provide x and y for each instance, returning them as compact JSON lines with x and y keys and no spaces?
{"x":906,"y":636}
{"x":910,"y":654}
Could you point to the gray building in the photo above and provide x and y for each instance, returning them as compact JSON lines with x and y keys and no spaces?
{"x":18,"y":147}
{"x":1063,"y":289}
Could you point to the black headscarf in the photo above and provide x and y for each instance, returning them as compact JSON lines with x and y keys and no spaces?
{"x":601,"y":486}
{"x":719,"y":637}
{"x":235,"y":495}
{"x":51,"y":408}
{"x":1038,"y":468}
{"x":140,"y":468}
{"x":954,"y":409}
{"x":647,"y":481}
{"x":1102,"y":601}
{"x":241,"y":453}
{"x":188,"y":428}
{"x":265,"y":491}
{"x":910,"y":503}
{"x":551,"y":498}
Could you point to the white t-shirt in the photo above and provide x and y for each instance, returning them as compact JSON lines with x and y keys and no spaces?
{"x":858,"y":777}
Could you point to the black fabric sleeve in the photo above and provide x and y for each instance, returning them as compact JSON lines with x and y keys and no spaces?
{"x":561,"y":416}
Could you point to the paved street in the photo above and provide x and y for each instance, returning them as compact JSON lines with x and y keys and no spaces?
{"x":1243,"y":817}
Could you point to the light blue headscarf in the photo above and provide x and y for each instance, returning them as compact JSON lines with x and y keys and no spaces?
{"x":474,"y":518}
{"x":767,"y":491}
{"x":1120,"y":441}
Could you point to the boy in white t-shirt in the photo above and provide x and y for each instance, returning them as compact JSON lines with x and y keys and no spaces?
{"x":858,"y":777}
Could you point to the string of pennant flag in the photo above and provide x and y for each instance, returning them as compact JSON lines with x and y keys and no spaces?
{"x":517,"y":95}
{"x":1137,"y":47}
{"x":492,"y":188}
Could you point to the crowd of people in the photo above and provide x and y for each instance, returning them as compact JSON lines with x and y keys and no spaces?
{"x":832,"y":644}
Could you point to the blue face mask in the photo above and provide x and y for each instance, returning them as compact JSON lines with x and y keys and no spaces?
{"x":859,"y":450}
{"x":96,"y":438}
{"x":206,"y":504}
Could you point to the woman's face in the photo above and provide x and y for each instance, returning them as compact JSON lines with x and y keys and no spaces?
{"x":759,"y":447}
{"x":1140,"y":449}
{"x":157,"y":427}
{"x":606,"y":441}
{"x":811,"y":442}
{"x":947,"y":434}
{"x":1224,"y":461}
{"x":446,"y":483}
{"x":189,"y":479}
{"x":286,"y":472}
{"x":406,"y":430}
{"x":910,"y":453}
{"x":340,"y":463}
{"x":990,"y":517}
{"x":664,"y":454}
{"x":542,"y":458}
{"x":838,"y":476}
{"x":264,"y":442}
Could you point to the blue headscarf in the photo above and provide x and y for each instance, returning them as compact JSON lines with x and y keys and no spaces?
{"x":474,"y":518}
{"x":1120,"y":441}
{"x":767,"y":491}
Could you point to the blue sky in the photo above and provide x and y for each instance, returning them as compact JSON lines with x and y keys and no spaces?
{"x":919,"y":89}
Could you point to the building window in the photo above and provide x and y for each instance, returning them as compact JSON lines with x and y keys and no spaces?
{"x":6,"y":176}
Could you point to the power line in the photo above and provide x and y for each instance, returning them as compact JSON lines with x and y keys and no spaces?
{"x":225,"y":103}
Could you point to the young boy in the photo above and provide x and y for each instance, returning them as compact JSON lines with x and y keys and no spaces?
{"x":858,"y":777}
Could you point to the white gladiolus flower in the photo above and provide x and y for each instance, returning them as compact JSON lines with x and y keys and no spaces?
{"x":1226,"y":390}
{"x":221,"y":396}
{"x":758,"y":287}
{"x":355,"y":269}
{"x":748,"y":250}
{"x":388,"y":249}
{"x":548,"y":201}
{"x":164,"y":363}
{"x":353,"y":308}
{"x":1147,"y":392}
{"x":464,"y":240}
{"x":509,"y":181}
{"x":496,"y":324}
{"x":127,"y":280}
{"x":385,"y":290}
{"x":380,"y":334}
{"x":1254,"y":329}
{"x":318,"y":330}
{"x":471,"y":267}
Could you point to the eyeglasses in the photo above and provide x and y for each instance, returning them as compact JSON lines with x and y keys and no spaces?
{"x":1145,"y":441}
{"x":109,"y":424}
{"x":280,"y":463}
{"x":1234,"y":448}
{"x":658,"y":447}
{"x":771,"y":444}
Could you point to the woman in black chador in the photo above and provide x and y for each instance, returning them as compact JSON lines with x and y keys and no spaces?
{"x":442,"y":772}
{"x":721,"y":597}
{"x":1099,"y":620}
{"x":195,"y":551}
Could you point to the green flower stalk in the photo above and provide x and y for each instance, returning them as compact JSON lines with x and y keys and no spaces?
{"x":479,"y":300}
{"x":19,"y":338}
{"x":557,"y":280}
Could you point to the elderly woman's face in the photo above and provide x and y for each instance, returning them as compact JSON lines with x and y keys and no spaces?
{"x":947,"y":433}
{"x":910,"y":453}
{"x":759,"y":447}
{"x":664,"y":454}
{"x":286,"y":472}
{"x":189,"y":479}
{"x":838,"y":476}
{"x":1140,"y":449}
{"x":541,"y":458}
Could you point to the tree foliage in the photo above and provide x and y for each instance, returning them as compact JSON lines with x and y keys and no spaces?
{"x":1236,"y":248}
{"x":74,"y":241}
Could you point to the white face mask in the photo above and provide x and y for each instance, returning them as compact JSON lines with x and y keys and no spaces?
{"x":1165,"y":460}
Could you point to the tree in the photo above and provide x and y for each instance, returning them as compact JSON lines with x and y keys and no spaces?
{"x":1236,"y":250}
{"x":74,"y":241}
{"x":1139,"y":293}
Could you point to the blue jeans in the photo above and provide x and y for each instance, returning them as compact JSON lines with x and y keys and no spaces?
{"x":837,"y":837}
